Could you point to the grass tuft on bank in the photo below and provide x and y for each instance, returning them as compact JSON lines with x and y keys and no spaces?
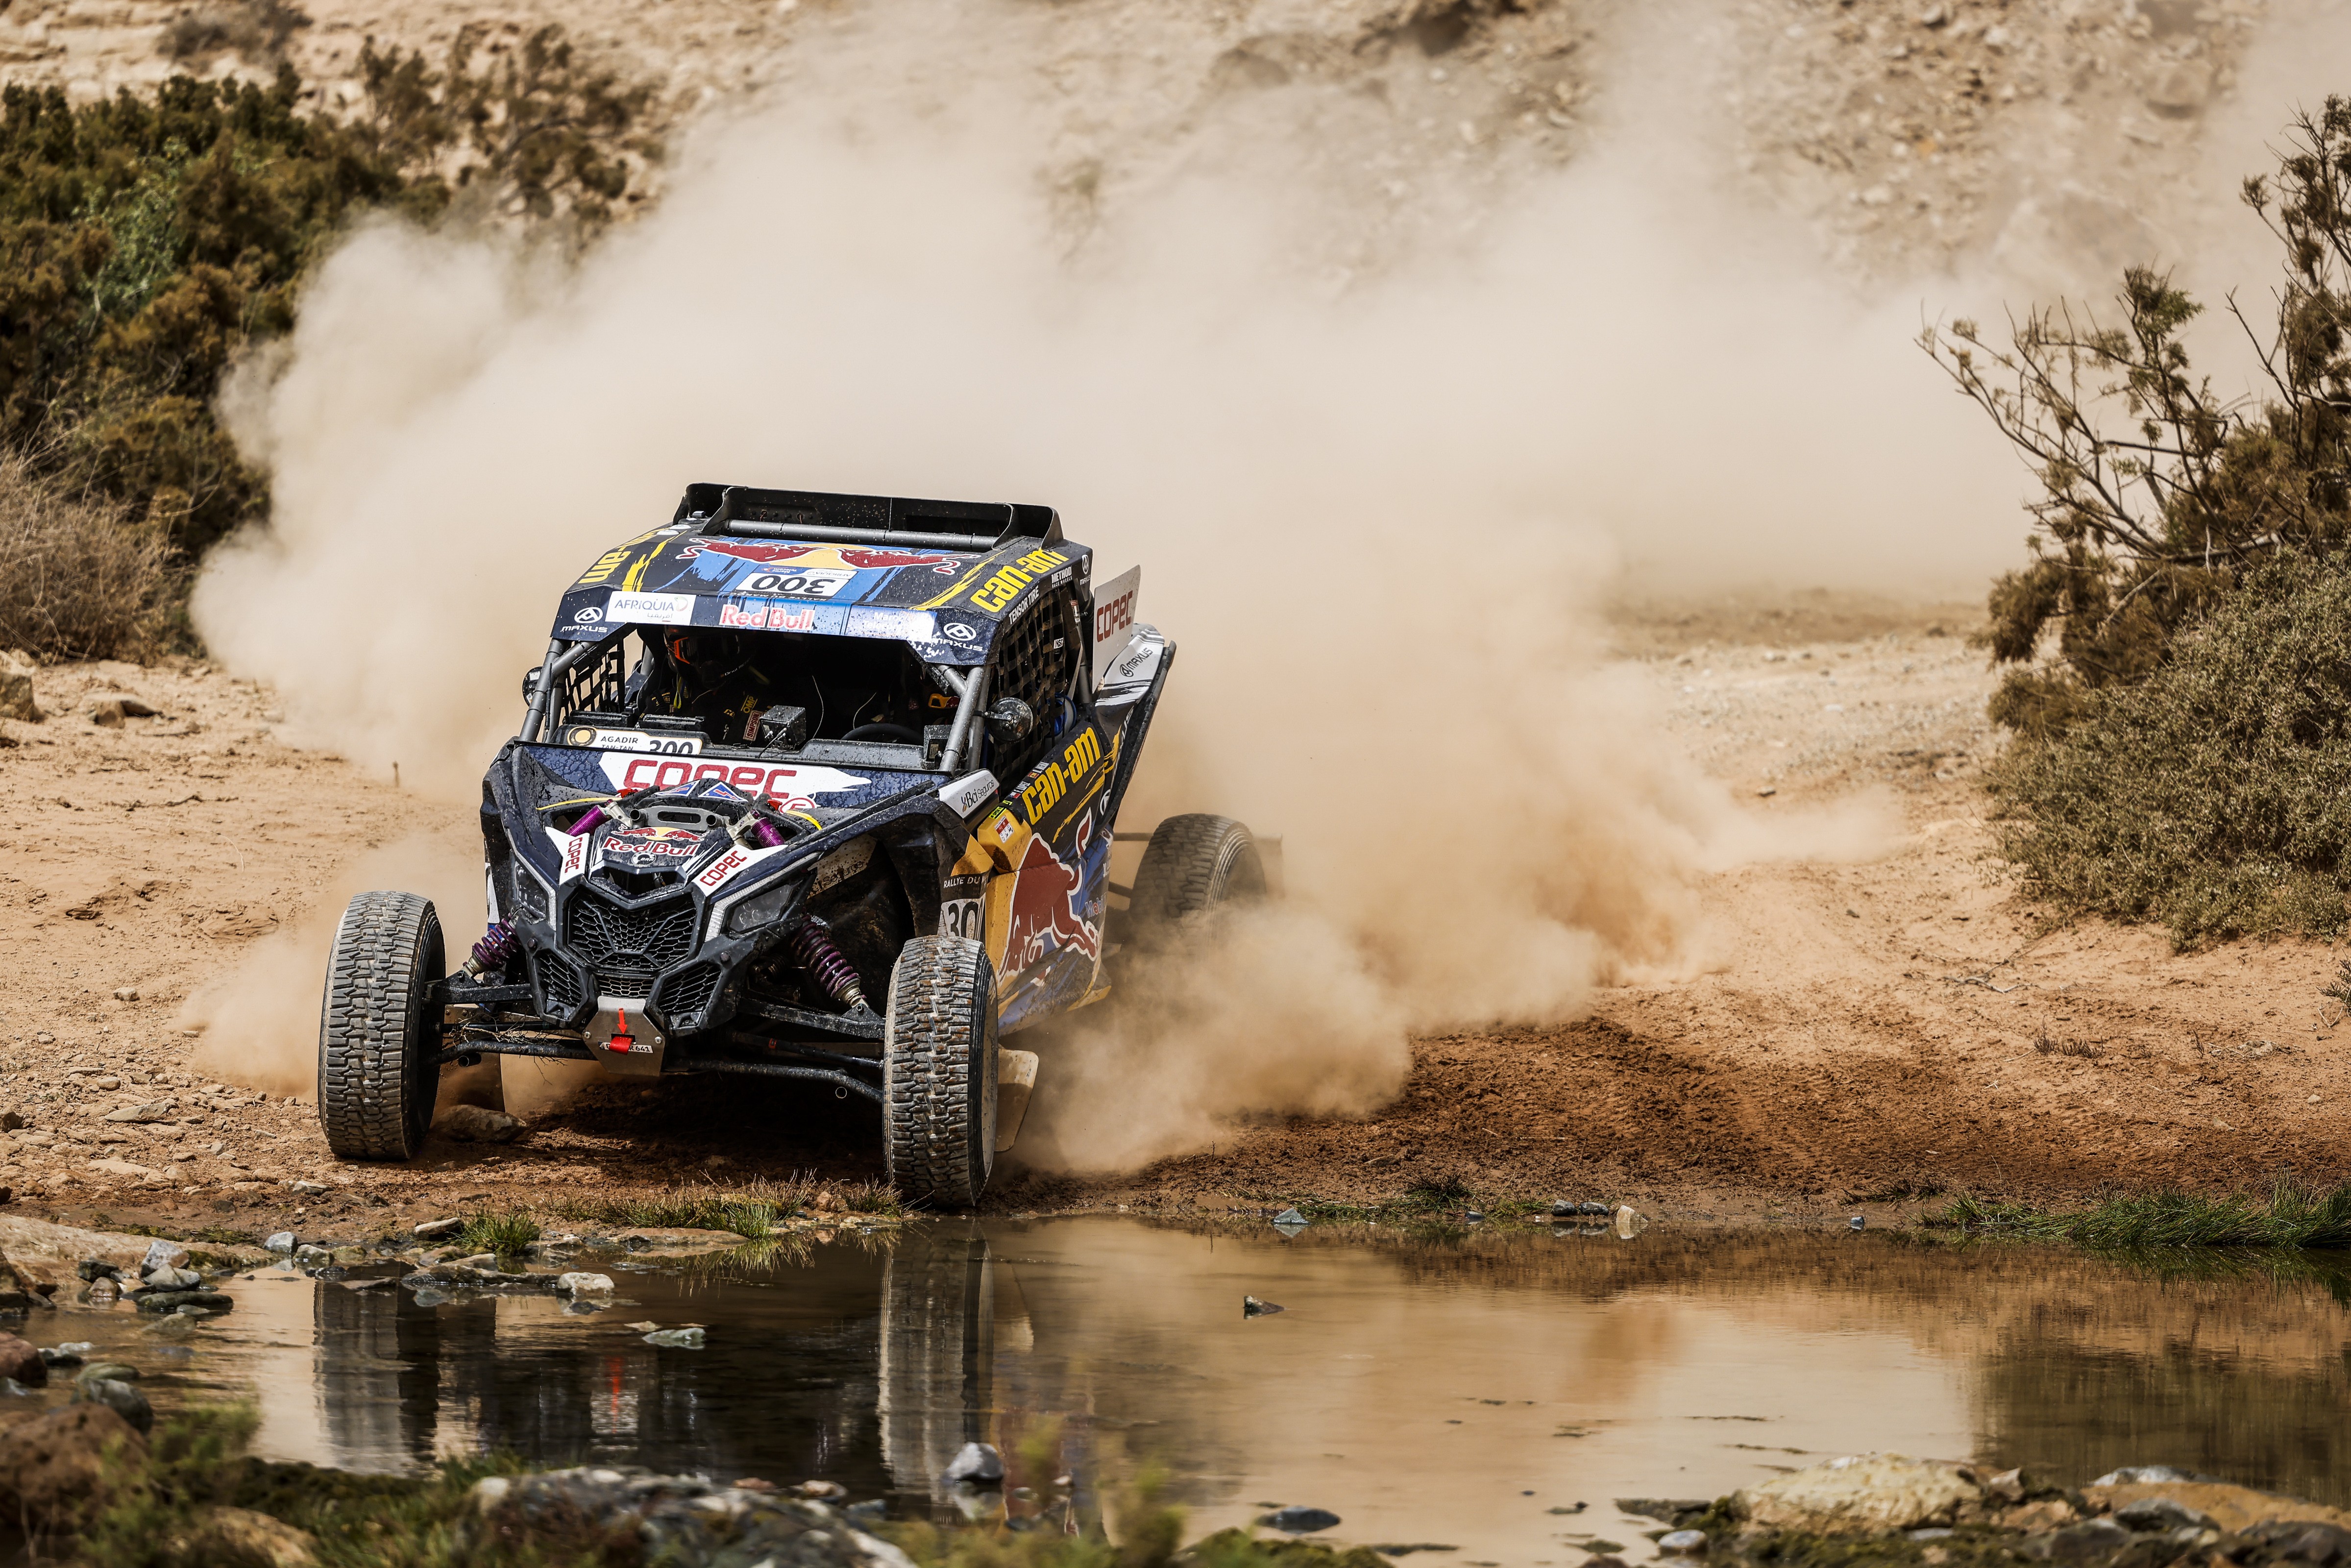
{"x":508,"y":1234}
{"x":753,"y":1210}
{"x":2290,"y":1216}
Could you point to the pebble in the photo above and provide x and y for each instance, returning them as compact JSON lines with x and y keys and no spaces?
{"x":162,"y":1254}
{"x":1253,"y":1307}
{"x":118,"y":1397}
{"x":584,"y":1284}
{"x":675,"y":1339}
{"x":308,"y":1188}
{"x":2142,"y":1474}
{"x":1687,"y":1541}
{"x":1300,"y":1521}
{"x":1858,"y":1222}
{"x":282,"y":1242}
{"x":125,"y":993}
{"x":438,"y":1229}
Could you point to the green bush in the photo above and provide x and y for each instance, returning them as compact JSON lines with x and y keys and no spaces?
{"x":2215,"y":796}
{"x":145,"y":241}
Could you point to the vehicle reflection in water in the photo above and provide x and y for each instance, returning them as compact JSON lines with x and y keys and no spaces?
{"x":1453,"y":1389}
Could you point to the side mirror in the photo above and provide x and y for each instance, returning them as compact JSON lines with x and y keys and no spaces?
{"x":1009,"y":721}
{"x":530,"y":682}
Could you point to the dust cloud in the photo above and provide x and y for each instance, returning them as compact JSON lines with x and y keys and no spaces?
{"x":1376,"y":514}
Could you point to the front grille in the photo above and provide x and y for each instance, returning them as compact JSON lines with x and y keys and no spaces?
{"x":684,"y":994}
{"x":620,"y":983}
{"x":634,"y":941}
{"x":559,"y":983}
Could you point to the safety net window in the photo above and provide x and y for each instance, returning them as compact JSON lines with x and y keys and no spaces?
{"x":1035,"y":657}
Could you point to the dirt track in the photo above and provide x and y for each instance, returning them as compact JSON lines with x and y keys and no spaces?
{"x":1889,"y":1026}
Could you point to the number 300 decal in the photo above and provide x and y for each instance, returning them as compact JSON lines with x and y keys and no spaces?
{"x":960,"y":917}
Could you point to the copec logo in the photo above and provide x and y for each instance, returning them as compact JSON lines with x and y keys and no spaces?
{"x":787,"y":789}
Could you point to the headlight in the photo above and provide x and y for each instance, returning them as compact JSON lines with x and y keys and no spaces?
{"x":761,"y":908}
{"x":530,"y":896}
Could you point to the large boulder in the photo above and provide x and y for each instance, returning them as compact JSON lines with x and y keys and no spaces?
{"x":2231,"y":1508}
{"x":22,"y":1360}
{"x":1862,"y":1494}
{"x":50,"y":1466}
{"x":222,"y":1534}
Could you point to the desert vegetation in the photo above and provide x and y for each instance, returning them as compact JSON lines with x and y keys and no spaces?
{"x":151,"y":243}
{"x":2176,"y":643}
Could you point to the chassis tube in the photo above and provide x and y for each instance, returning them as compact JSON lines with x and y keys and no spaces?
{"x":975,"y":692}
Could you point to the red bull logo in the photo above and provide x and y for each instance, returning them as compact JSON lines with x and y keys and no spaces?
{"x":650,"y":847}
{"x":1048,"y":912}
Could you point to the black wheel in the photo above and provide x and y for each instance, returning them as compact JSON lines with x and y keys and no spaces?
{"x":938,"y":1072}
{"x":1193,"y":865}
{"x":378,"y":1031}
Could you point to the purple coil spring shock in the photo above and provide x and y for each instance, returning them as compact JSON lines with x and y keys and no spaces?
{"x":587,"y":822}
{"x":497,"y":945}
{"x":810,"y":946}
{"x":766,"y":832}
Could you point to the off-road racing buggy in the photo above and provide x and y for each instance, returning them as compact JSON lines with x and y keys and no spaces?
{"x":808,"y":786}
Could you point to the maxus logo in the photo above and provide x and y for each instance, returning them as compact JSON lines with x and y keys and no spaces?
{"x":1004,"y":587}
{"x":1045,"y":789}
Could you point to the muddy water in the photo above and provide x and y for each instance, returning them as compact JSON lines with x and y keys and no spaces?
{"x":1459,"y":1392}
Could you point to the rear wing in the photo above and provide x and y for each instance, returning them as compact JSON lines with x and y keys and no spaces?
{"x":822,"y":517}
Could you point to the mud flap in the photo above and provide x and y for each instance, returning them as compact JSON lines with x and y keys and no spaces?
{"x":1015,"y":1075}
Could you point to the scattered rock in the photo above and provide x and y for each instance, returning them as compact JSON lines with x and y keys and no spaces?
{"x":172,"y":1301}
{"x":2142,"y":1474}
{"x":1298,"y":1520}
{"x":680,"y":1520}
{"x":118,"y":1397}
{"x":975,"y":1464}
{"x":2091,"y":1541}
{"x":675,"y":1339}
{"x":1688,"y":1542}
{"x":1599,"y":1209}
{"x":65,"y":1354}
{"x":1862,"y":1494}
{"x":584,"y":1284}
{"x":2229,"y":1507}
{"x":49,"y":1466}
{"x":1563,"y":1208}
{"x":10,"y":1120}
{"x":2160,"y":1514}
{"x":823,"y":1492}
{"x":477,"y":1124}
{"x":223,"y":1534}
{"x":152,"y":1111}
{"x":1253,"y":1307}
{"x":22,"y":1362}
{"x":1858,"y":1221}
{"x":438,"y":1229}
{"x":171,"y":1280}
{"x":1630,"y":1222}
{"x":307,"y":1188}
{"x":279,"y":1241}
{"x":125,"y":993}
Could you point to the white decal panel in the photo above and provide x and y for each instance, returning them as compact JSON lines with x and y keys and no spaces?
{"x":792,"y":787}
{"x":651,"y":609}
{"x":572,"y":852}
{"x":1139,"y":663}
{"x":726,"y":867}
{"x":970,"y":792}
{"x":805,"y":582}
{"x":962,"y":918}
{"x":1114,"y":617}
{"x":633,"y":740}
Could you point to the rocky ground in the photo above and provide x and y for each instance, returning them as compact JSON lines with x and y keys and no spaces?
{"x":1862,"y":1032}
{"x":2058,"y":137}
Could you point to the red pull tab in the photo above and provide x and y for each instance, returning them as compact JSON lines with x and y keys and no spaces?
{"x":621,"y":1039}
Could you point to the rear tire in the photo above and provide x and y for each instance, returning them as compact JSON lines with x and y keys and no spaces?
{"x":1193,"y":864}
{"x":378,"y":1032}
{"x":938,"y":1072}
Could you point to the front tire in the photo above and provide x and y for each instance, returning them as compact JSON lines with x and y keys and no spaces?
{"x":938,"y":1072}
{"x":378,"y":1032}
{"x":1193,"y":864}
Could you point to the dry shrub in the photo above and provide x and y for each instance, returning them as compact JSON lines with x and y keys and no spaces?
{"x":77,"y":579}
{"x":2216,"y":796}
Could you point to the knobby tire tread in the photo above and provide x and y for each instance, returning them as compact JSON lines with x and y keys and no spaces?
{"x":1191,"y":865}
{"x":386,"y":955}
{"x":938,"y":1052}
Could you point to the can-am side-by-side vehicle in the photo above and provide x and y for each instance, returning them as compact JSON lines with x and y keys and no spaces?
{"x":808,"y":786}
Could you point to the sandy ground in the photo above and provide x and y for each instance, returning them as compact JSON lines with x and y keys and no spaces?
{"x":1859,"y":1033}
